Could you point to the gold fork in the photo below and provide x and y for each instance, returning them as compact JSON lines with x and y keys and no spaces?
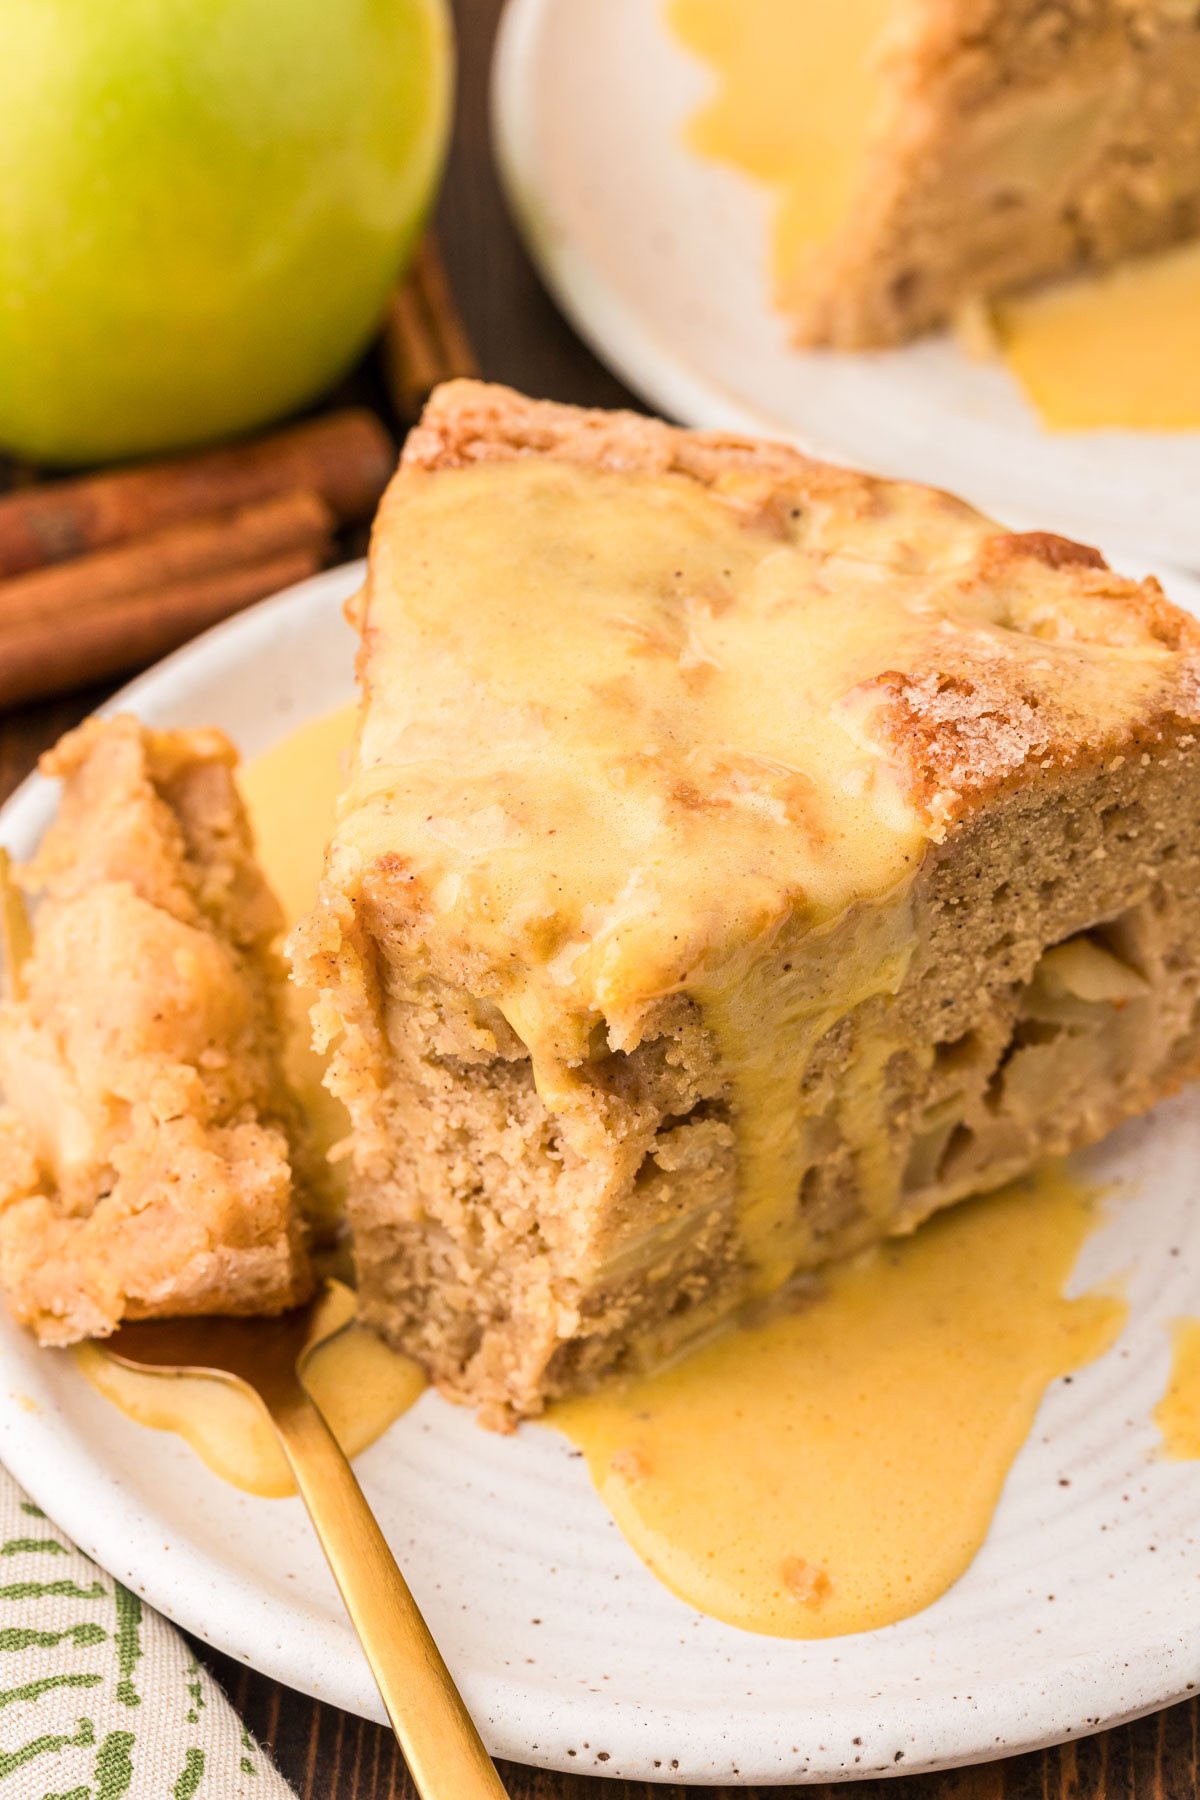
{"x":443,"y":1750}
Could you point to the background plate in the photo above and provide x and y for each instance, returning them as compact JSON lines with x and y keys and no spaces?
{"x":658,"y":257}
{"x":1082,"y":1609}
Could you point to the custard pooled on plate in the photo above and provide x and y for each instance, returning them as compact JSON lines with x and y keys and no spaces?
{"x":742,"y":858}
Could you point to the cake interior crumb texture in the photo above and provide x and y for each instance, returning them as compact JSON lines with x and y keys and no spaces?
{"x":742,"y":858}
{"x":147,"y":1140}
{"x":1011,"y":141}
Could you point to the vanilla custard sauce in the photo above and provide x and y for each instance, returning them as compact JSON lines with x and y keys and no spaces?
{"x":1177,"y":1414}
{"x":1118,"y":348}
{"x":360,"y":1385}
{"x":291,"y":794}
{"x":792,"y":106}
{"x":836,"y":1467}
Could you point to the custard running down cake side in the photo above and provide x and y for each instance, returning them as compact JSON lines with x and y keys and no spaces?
{"x":741,"y":859}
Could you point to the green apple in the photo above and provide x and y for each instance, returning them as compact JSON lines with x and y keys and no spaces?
{"x":203,"y":204}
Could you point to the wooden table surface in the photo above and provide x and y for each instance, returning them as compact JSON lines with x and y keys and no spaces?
{"x":326,"y":1754}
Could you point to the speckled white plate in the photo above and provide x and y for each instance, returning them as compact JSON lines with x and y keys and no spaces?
{"x":658,"y":257}
{"x":1082,"y":1609}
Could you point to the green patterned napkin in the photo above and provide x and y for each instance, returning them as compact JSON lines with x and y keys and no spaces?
{"x":101,"y":1699}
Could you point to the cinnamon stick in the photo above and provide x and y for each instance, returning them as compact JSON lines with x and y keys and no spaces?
{"x":212,"y":545}
{"x":345,"y":457}
{"x":424,"y":339}
{"x":52,"y":655}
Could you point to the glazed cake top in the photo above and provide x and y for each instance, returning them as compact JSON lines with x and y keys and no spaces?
{"x":652,"y":713}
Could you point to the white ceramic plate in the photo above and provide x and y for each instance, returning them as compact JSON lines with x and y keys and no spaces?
{"x":1082,"y":1609}
{"x":658,"y":257}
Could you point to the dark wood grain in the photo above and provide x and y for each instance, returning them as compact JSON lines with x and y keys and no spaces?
{"x":326,"y":1754}
{"x":518,"y":335}
{"x":330,"y":1756}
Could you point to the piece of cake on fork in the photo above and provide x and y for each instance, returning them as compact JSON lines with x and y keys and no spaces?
{"x":741,"y":859}
{"x":148,"y":1138}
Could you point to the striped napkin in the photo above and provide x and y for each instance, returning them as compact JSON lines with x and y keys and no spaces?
{"x":101,"y":1699}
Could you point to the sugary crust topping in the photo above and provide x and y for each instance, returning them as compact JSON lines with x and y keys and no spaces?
{"x":958,"y":729}
{"x":469,"y":422}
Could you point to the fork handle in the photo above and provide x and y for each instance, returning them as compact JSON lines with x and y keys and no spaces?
{"x":445,"y":1754}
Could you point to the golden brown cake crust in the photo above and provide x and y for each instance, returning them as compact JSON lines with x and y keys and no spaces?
{"x":959,"y":739}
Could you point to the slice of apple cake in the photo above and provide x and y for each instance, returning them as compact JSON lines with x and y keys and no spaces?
{"x":145,"y":1147}
{"x":742,"y":858}
{"x":1009,"y":141}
